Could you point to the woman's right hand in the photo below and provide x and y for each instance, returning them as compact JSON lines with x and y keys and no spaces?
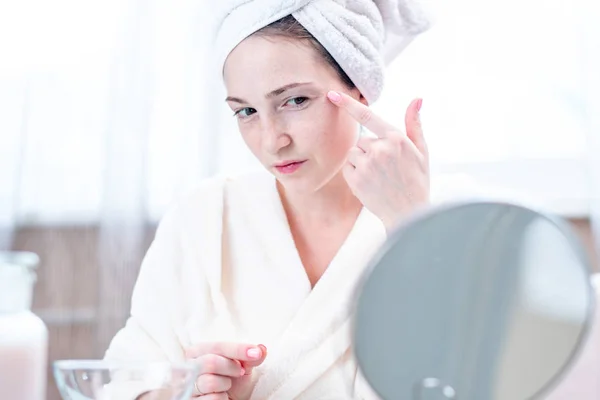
{"x":225,"y":369}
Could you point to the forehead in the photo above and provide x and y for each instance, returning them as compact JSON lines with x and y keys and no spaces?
{"x":274,"y":61}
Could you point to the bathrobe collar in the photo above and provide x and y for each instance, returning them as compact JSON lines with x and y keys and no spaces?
{"x":319,"y":333}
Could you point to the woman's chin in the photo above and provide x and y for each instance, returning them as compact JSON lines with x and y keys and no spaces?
{"x":304,"y":181}
{"x":298,"y":184}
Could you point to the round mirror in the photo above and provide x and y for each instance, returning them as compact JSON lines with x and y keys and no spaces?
{"x":473,"y":301}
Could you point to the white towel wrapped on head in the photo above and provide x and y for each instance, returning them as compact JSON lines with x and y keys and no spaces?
{"x":361,"y":35}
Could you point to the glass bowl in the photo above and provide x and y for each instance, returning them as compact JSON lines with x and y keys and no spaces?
{"x":107,"y":380}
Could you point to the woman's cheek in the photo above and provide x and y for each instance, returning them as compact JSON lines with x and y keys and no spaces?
{"x":324,"y":122}
{"x":302,"y":124}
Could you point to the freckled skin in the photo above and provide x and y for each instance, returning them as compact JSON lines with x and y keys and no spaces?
{"x":300,"y":123}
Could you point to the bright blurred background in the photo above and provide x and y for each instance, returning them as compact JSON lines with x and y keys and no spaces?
{"x":107,"y":115}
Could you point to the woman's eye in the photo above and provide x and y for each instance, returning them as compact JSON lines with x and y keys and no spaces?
{"x":296,"y":101}
{"x":244,"y":112}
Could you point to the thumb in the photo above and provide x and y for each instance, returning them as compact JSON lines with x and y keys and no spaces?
{"x":249,"y":365}
{"x":414,"y":129}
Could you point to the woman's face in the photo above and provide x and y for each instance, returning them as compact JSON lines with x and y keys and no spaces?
{"x":277,"y":89}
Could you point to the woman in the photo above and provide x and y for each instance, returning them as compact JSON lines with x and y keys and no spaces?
{"x":252,"y":277}
{"x":267,"y":263}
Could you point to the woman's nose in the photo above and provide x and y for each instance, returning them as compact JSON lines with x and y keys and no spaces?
{"x":275,"y":136}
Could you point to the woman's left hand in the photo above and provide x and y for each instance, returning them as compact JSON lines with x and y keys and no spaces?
{"x":389,"y":174}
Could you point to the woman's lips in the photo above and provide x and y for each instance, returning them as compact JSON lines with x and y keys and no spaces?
{"x":289,"y":167}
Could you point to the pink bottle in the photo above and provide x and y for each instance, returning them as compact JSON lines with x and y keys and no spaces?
{"x":23,"y":335}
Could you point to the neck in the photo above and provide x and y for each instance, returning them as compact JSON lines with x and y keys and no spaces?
{"x":332,"y":202}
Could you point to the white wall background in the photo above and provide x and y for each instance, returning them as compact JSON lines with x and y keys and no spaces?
{"x":103,"y":107}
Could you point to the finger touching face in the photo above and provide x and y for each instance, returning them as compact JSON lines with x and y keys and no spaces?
{"x":362,"y":114}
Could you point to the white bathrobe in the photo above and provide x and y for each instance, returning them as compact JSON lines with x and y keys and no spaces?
{"x":224,"y":267}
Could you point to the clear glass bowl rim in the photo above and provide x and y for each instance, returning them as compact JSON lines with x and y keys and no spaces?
{"x":106,"y":365}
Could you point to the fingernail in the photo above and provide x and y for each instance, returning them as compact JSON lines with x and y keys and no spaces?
{"x":334,"y":96}
{"x":419,"y":104}
{"x":243,"y":372}
{"x":253,"y":353}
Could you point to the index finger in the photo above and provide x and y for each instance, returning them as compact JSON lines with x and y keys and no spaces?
{"x":361,"y":113}
{"x":234,"y":351}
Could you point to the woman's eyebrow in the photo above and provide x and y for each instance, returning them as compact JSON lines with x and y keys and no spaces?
{"x":272,"y":93}
{"x":282,"y":89}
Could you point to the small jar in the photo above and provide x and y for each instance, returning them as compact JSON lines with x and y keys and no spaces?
{"x":23,"y":335}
